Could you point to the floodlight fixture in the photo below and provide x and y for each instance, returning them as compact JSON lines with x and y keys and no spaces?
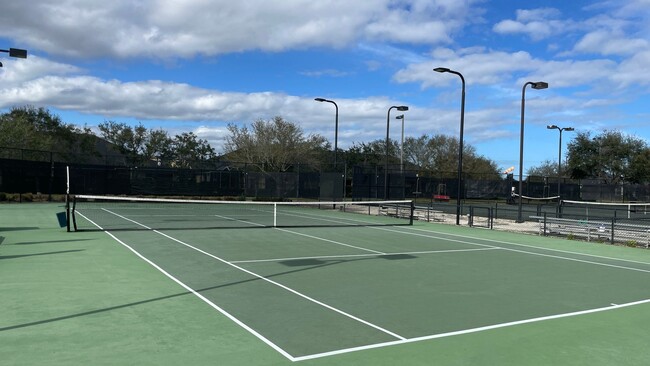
{"x":16,"y":52}
{"x":559,"y":156}
{"x":336,"y":126}
{"x":460,"y":147}
{"x":534,"y":85}
{"x":539,"y":85}
{"x":401,"y":108}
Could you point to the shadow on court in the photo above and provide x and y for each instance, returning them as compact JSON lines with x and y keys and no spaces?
{"x":310,"y":264}
{"x":19,"y":228}
{"x":37,"y":254}
{"x":48,"y":241}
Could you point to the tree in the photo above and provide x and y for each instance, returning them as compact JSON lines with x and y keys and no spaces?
{"x":159,"y":146}
{"x":640,"y":167}
{"x":611,"y":156}
{"x":439,"y":155}
{"x":547,"y":168}
{"x":141,"y":145}
{"x":129,"y":141}
{"x":188,"y":148}
{"x":372,"y":153}
{"x":274,"y":145}
{"x":38,"y":129}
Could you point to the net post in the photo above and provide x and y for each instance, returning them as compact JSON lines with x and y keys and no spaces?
{"x":275,"y":214}
{"x":72,"y":213}
{"x":67,"y":212}
{"x":412,"y":213}
{"x":612,"y":230}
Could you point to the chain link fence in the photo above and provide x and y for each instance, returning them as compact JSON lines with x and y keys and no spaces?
{"x":33,"y":171}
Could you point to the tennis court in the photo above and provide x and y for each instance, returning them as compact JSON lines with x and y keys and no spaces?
{"x":366,"y":283}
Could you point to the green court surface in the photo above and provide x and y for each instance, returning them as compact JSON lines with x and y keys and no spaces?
{"x":425,"y":294}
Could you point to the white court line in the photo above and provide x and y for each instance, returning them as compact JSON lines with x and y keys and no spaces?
{"x":521,"y":251}
{"x":330,"y":241}
{"x":341,"y":312}
{"x":203,"y":298}
{"x":514,"y":250}
{"x":471,"y":330}
{"x":308,"y":236}
{"x":466,"y":331}
{"x":244,"y":221}
{"x":345,"y":256}
{"x":532,"y":246}
{"x":483,"y":239}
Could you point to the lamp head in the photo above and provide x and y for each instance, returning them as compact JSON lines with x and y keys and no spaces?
{"x":320,"y":99}
{"x":401,"y":116}
{"x":402,"y":108}
{"x":569,"y":129}
{"x":441,"y":69}
{"x":552,"y":127}
{"x":17,"y":52}
{"x":539,"y":85}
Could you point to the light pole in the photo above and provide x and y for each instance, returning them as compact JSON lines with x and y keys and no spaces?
{"x":400,"y":108}
{"x":559,"y":156}
{"x":401,"y":146}
{"x":534,"y":85}
{"x":15,"y":52}
{"x":460,"y":147}
{"x":336,"y":126}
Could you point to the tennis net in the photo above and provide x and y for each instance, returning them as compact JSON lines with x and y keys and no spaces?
{"x":130,"y":213}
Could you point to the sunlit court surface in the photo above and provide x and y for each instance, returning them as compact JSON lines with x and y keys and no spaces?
{"x":363,"y":288}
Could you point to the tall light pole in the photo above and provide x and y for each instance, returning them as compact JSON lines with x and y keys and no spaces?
{"x":401,"y":146}
{"x":534,"y":85}
{"x":460,"y":147}
{"x":15,"y":52}
{"x":336,"y":126}
{"x":400,"y":108}
{"x":559,"y":156}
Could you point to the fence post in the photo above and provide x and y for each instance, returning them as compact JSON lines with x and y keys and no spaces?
{"x":613,"y":223}
{"x":491,"y":213}
{"x":544,"y":223}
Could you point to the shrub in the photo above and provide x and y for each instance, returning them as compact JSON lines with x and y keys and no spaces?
{"x":3,"y":196}
{"x":631,"y":243}
{"x":28,"y":197}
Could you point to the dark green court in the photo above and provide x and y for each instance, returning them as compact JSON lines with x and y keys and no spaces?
{"x":368,"y":294}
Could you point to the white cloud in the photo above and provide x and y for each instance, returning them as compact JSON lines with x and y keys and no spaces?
{"x":328,"y":72}
{"x":633,"y":71}
{"x":476,"y":65}
{"x":608,"y":43}
{"x":17,"y":71}
{"x":536,"y":23}
{"x":171,"y":29}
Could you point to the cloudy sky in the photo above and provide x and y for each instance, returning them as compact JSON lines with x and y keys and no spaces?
{"x":196,"y":65}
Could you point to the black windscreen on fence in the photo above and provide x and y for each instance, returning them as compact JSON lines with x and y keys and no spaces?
{"x":31,"y":171}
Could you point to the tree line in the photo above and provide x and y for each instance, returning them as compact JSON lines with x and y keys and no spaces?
{"x":276,"y":145}
{"x":610,"y":156}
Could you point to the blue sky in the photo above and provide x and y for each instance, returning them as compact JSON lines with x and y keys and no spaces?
{"x":197,"y":65}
